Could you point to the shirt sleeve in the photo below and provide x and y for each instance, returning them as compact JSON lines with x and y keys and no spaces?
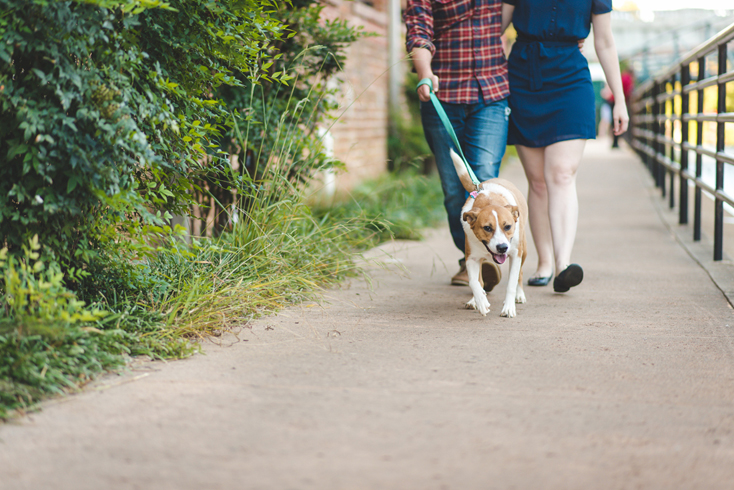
{"x":510,"y":2}
{"x":601,"y":6}
{"x":418,"y":19}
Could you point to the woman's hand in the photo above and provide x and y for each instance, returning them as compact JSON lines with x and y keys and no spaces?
{"x":620,"y":117}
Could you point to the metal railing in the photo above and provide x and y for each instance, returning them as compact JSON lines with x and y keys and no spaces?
{"x":661,"y":131}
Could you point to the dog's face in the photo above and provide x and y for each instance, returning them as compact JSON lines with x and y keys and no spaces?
{"x":494,"y":226}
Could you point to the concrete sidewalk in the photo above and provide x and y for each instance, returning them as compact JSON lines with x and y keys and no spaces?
{"x":625,"y":382}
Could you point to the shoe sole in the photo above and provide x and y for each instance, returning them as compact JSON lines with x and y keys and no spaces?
{"x":568,"y":278}
{"x":491,"y":276}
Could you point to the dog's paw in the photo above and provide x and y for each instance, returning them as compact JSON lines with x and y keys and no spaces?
{"x":508,"y":310}
{"x":520,"y":296}
{"x":471,"y":304}
{"x":483,"y":305}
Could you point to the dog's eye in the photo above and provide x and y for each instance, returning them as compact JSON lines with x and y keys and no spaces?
{"x":508,"y":227}
{"x":488,"y":229}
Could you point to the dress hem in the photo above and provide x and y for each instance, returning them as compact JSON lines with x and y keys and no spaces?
{"x":550,"y":141}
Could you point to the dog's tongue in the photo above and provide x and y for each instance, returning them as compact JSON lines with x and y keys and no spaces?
{"x":500,"y":259}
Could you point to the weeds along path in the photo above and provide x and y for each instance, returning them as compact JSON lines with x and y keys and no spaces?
{"x":626,"y":382}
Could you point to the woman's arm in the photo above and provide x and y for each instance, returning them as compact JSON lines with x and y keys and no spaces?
{"x":507,"y":11}
{"x":606,"y":51}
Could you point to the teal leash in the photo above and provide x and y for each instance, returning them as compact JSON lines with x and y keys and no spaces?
{"x":449,"y":128}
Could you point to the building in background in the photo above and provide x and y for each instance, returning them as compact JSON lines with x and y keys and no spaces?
{"x":360,"y":134}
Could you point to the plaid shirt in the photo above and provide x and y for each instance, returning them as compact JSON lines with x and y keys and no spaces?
{"x":464,"y":39}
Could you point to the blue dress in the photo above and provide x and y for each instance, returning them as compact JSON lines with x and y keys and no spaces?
{"x":551,"y":95}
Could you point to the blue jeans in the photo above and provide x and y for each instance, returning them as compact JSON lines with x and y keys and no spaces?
{"x":482,"y":133}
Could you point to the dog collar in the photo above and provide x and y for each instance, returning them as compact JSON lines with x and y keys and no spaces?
{"x":474,"y":194}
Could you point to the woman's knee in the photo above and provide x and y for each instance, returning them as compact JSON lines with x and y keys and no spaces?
{"x":561,"y":177}
{"x":537,"y":186}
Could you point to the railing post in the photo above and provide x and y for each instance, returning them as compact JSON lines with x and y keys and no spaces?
{"x":719,"y":204}
{"x":648,"y":131}
{"x":685,"y":79}
{"x":699,"y":157}
{"x":658,"y":168}
{"x":671,"y":146}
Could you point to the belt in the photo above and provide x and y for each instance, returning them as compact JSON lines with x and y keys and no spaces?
{"x":533,"y":51}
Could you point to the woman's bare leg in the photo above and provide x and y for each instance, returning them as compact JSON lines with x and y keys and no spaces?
{"x":562,"y":161}
{"x":533,"y":161}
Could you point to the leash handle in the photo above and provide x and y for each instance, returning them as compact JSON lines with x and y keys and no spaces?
{"x":449,"y":128}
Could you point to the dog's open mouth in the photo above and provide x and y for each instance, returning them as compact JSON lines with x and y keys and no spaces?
{"x":498,"y":258}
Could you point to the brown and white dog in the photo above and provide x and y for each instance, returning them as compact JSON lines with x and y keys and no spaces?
{"x":494,"y":223}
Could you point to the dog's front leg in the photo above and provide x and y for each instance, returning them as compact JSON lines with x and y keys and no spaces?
{"x":512,"y":294}
{"x":480,"y":302}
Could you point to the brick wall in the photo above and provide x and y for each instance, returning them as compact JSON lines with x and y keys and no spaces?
{"x":360,"y":135}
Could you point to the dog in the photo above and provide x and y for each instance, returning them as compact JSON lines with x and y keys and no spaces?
{"x":493,"y":219}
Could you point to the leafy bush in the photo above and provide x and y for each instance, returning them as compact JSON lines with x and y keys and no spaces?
{"x":47,"y":336}
{"x":107,"y":111}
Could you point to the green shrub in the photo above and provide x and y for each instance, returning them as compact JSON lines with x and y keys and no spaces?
{"x":107,"y":111}
{"x":48,"y":338}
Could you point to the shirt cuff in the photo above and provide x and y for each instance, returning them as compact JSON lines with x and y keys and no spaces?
{"x":420,"y":42}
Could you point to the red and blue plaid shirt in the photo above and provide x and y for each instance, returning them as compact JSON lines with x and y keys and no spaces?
{"x":465,"y":40}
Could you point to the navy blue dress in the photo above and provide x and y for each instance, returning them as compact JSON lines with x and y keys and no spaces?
{"x":551,"y":95}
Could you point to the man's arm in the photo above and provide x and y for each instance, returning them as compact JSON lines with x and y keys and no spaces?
{"x":422,"y":63}
{"x":419,"y":42}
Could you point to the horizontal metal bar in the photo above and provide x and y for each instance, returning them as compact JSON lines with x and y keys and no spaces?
{"x":645,"y":133}
{"x":667,"y":96}
{"x":672,"y":117}
{"x":645,"y":118}
{"x":706,"y":82}
{"x":726,"y":77}
{"x":701,"y":117}
{"x":645,"y":101}
{"x":660,"y":138}
{"x":722,"y":156}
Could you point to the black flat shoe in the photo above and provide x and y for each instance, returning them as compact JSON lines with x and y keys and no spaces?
{"x":539,"y":281}
{"x":571,"y":276}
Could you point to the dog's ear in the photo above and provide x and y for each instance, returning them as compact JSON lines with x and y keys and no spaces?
{"x":470,"y":217}
{"x":515,"y":211}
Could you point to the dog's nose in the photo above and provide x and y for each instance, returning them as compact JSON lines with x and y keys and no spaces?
{"x":502,"y":248}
